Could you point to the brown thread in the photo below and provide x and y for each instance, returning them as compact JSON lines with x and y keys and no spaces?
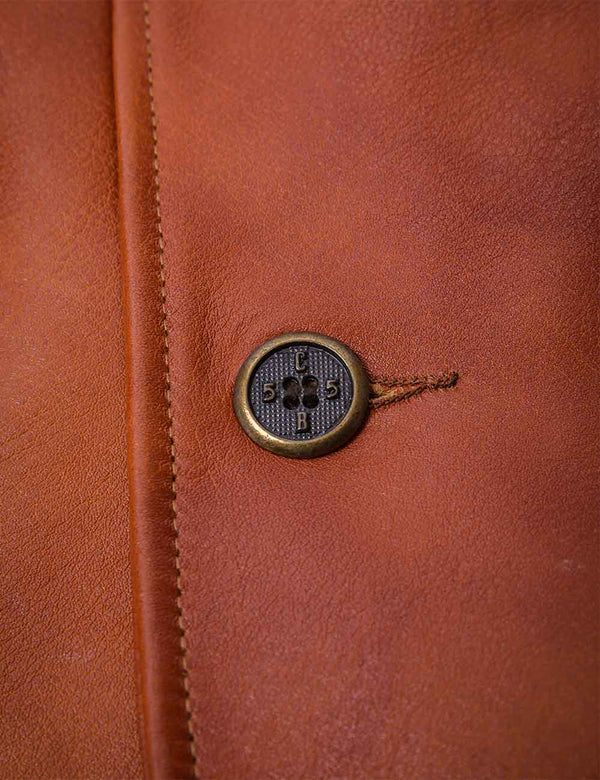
{"x":163,"y":294}
{"x":383,"y":391}
{"x":389,"y":391}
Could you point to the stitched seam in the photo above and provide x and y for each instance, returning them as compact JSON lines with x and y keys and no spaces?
{"x":388,"y":391}
{"x":163,"y":294}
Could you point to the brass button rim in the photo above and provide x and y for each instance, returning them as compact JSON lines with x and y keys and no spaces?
{"x":344,"y":430}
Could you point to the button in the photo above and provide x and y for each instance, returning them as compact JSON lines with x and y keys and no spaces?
{"x":301,"y":395}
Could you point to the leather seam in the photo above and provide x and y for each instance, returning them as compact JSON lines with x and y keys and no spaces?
{"x":163,"y":294}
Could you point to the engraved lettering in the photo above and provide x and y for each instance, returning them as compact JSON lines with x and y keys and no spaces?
{"x":300,"y":361}
{"x":332,"y":389}
{"x":269,"y":393}
{"x":301,"y":422}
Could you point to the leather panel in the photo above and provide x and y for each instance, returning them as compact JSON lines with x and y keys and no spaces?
{"x":167,"y":747}
{"x":67,"y":688}
{"x":418,"y":180}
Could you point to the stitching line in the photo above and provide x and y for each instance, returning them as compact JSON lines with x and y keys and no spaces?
{"x":389,"y":391}
{"x":163,"y":295}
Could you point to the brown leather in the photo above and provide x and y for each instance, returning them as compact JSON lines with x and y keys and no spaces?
{"x":165,"y":729}
{"x":67,"y":689}
{"x":419,"y":180}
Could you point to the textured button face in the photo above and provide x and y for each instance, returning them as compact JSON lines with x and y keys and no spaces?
{"x":300,"y":391}
{"x":301,"y":395}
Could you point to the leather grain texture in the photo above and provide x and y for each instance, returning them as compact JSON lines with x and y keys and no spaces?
{"x":67,"y":689}
{"x":420,"y":181}
{"x":416,"y":179}
{"x":167,"y":747}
